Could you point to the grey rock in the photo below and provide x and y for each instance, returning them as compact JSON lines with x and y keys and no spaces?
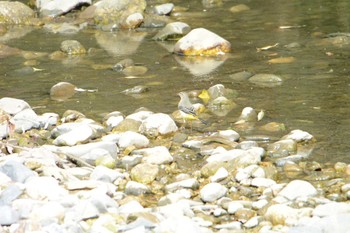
{"x":155,"y":155}
{"x":191,"y":183}
{"x":105,"y":174}
{"x":16,"y":171}
{"x":172,"y":31}
{"x":13,"y":106}
{"x":164,"y":9}
{"x":72,"y":47}
{"x":136,"y":189}
{"x":26,"y":120}
{"x":8,"y":215}
{"x":266,"y":80}
{"x":9,"y":194}
{"x":129,"y":162}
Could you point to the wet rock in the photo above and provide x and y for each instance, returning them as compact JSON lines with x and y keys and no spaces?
{"x":163,"y":9}
{"x":15,"y":13}
{"x":115,"y":13}
{"x":282,"y":148}
{"x":239,"y":8}
{"x":62,"y":91}
{"x":136,"y":90}
{"x":132,"y":21}
{"x":248,"y":115}
{"x":266,"y":80}
{"x":172,"y":31}
{"x":64,"y":28}
{"x":144,"y":173}
{"x":120,"y":66}
{"x":299,"y":136}
{"x":245,"y":145}
{"x":158,"y":124}
{"x":298,"y":189}
{"x":72,"y":47}
{"x":212,"y":192}
{"x":13,"y":106}
{"x":136,"y":189}
{"x":58,"y":7}
{"x":241,"y":76}
{"x":273,"y":127}
{"x":155,"y":155}
{"x":130,"y":138}
{"x":120,"y":43}
{"x":134,"y":70}
{"x":200,"y":41}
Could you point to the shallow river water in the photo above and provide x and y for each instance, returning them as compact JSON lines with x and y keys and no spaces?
{"x":314,"y":95}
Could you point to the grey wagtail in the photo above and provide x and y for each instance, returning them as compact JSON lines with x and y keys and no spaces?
{"x":186,"y":108}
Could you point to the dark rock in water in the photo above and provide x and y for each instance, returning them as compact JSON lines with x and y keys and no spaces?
{"x":241,"y":76}
{"x":72,"y":47}
{"x":136,"y":90}
{"x":120,"y":66}
{"x":62,"y":91}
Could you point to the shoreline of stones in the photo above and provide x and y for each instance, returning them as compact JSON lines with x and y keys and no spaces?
{"x":128,"y":175}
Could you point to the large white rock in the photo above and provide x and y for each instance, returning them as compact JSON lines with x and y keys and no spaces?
{"x":13,"y":106}
{"x":58,"y":7}
{"x":44,"y":188}
{"x":298,"y":189}
{"x":155,"y":155}
{"x":158,"y":123}
{"x":201,"y":41}
{"x":299,"y":135}
{"x":212,"y":191}
{"x":130,"y":138}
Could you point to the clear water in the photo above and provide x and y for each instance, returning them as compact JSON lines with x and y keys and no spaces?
{"x":313,"y":97}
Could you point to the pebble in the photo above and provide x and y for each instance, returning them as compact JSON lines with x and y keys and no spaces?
{"x":212,"y":192}
{"x":144,"y":173}
{"x":155,"y":155}
{"x":298,"y":189}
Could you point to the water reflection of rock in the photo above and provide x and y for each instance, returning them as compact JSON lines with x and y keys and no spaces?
{"x":200,"y":65}
{"x":15,"y":32}
{"x":121,"y":42}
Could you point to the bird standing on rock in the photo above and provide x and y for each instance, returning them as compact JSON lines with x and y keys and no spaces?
{"x":186,"y":108}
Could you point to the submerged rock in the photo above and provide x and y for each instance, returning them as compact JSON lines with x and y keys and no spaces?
{"x":201,"y":41}
{"x":172,"y":31}
{"x":72,"y":47}
{"x":62,"y":91}
{"x":266,"y":80}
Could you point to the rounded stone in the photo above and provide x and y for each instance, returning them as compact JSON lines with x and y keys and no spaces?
{"x":144,"y":173}
{"x":212,"y":192}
